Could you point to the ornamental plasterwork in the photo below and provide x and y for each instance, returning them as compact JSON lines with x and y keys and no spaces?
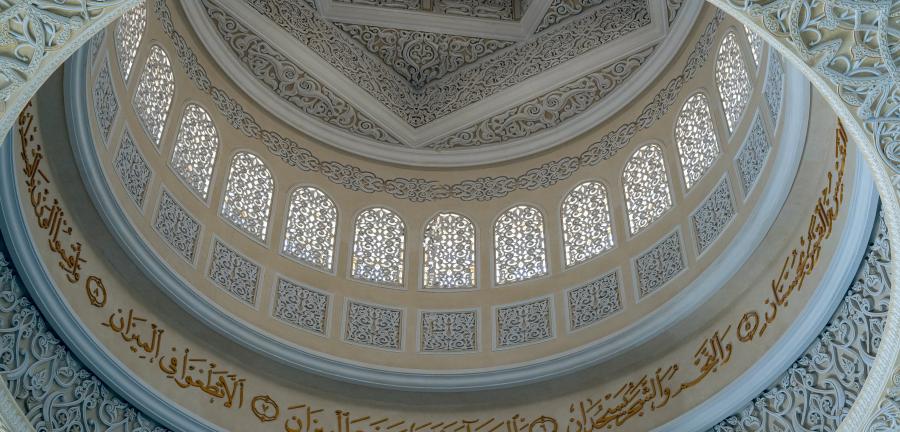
{"x":505,"y":10}
{"x":196,"y":146}
{"x":248,"y":194}
{"x":519,"y":246}
{"x":129,"y":32}
{"x":52,"y":388}
{"x":695,"y":136}
{"x":449,"y":244}
{"x":604,"y":24}
{"x":96,"y":43}
{"x":448,"y":331}
{"x":713,"y":215}
{"x":176,"y":226}
{"x":586,"y":223}
{"x":595,"y":301}
{"x":373,"y":325}
{"x":421,"y":57}
{"x":732,"y":80}
{"x":303,"y":307}
{"x":234,"y":273}
{"x":309,"y":234}
{"x":290,"y":81}
{"x":106,"y":103}
{"x":774,"y":85}
{"x":420,"y":190}
{"x":657,"y":266}
{"x":817,"y":391}
{"x":154,"y":93}
{"x":646,"y":183}
{"x":559,"y":10}
{"x":379,"y":242}
{"x":753,"y":154}
{"x":133,"y":169}
{"x":523,"y":323}
{"x":756,"y":44}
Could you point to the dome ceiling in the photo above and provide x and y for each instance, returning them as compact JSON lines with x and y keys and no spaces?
{"x":444,"y":83}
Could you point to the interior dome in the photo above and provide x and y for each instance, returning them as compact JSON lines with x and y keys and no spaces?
{"x":527,"y":213}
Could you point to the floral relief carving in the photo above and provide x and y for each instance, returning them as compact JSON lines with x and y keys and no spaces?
{"x":392,"y":4}
{"x":418,"y":190}
{"x":659,"y":265}
{"x":290,"y":81}
{"x":153,"y":97}
{"x":756,"y":44}
{"x":449,"y":244}
{"x":774,"y":87}
{"x":595,"y":301}
{"x":492,"y":9}
{"x":52,"y":388}
{"x":559,"y":10}
{"x":753,"y":154}
{"x":311,"y":226}
{"x":129,"y":32}
{"x":524,"y":323}
{"x":449,"y":332}
{"x":95,"y":44}
{"x":647,"y":194}
{"x":695,"y":136}
{"x":713,"y":215}
{"x":421,"y":57}
{"x":373,"y":325}
{"x":133,"y":169}
{"x":586,"y":223}
{"x":196,"y":146}
{"x":732,"y":80}
{"x":379,"y":240}
{"x":519,"y":245}
{"x":248,"y":194}
{"x":176,"y":226}
{"x":234,"y":273}
{"x":303,"y":307}
{"x":817,"y":391}
{"x":106,"y":103}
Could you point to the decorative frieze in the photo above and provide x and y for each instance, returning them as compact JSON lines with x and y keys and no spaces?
{"x":713,"y":215}
{"x":176,"y":226}
{"x":448,"y":331}
{"x":594,"y":302}
{"x":657,"y":266}
{"x":234,"y":273}
{"x":303,"y":307}
{"x":373,"y":325}
{"x":524,"y":323}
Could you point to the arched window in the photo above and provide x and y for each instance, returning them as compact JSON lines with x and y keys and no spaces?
{"x":379,"y":240}
{"x":732,"y":80}
{"x":646,"y":183}
{"x":311,"y":226}
{"x":587,"y":229}
{"x":248,"y":194}
{"x":154,"y":93}
{"x":195,"y":149}
{"x":756,"y":44}
{"x":449,"y":245}
{"x":696,"y":139}
{"x":519,"y":248}
{"x":129,"y":32}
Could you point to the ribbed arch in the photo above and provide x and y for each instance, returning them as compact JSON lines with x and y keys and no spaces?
{"x":379,"y":241}
{"x":155,"y":90}
{"x":129,"y":32}
{"x":646,"y":183}
{"x":449,"y":243}
{"x":695,"y":137}
{"x":732,"y":80}
{"x":248,"y":194}
{"x":519,"y":245}
{"x":310,"y":229}
{"x":586,"y":222}
{"x":196,"y":146}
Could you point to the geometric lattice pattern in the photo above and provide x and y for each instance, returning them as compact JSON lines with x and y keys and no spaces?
{"x":450,"y":331}
{"x":732,"y":80}
{"x":713,"y":215}
{"x":524,"y":323}
{"x":234,"y":273}
{"x":449,"y":245}
{"x":195,"y":149}
{"x":646,"y":183}
{"x":379,"y":240}
{"x":519,"y":248}
{"x":591,"y":303}
{"x":310,"y":231}
{"x":153,"y":97}
{"x":659,"y":265}
{"x":696,"y":139}
{"x":303,"y":307}
{"x":373,"y":325}
{"x":248,"y":194}
{"x":587,"y":229}
{"x":129,"y":32}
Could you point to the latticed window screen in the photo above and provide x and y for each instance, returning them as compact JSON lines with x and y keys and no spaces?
{"x":696,"y":139}
{"x":732,"y":80}
{"x":379,"y":239}
{"x":449,"y":244}
{"x":248,"y":194}
{"x":311,"y":225}
{"x":647,"y":194}
{"x":154,"y":93}
{"x":587,"y":228}
{"x":519,"y":245}
{"x":129,"y":32}
{"x":196,"y":146}
{"x":756,"y":44}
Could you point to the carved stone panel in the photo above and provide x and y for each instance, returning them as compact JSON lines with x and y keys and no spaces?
{"x":234,"y":273}
{"x":448,"y":331}
{"x":753,"y":154}
{"x":713,"y":215}
{"x":523,"y":323}
{"x":133,"y":169}
{"x":591,"y":303}
{"x":373,"y":325}
{"x":176,"y":226}
{"x":657,"y":266}
{"x":301,"y":306}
